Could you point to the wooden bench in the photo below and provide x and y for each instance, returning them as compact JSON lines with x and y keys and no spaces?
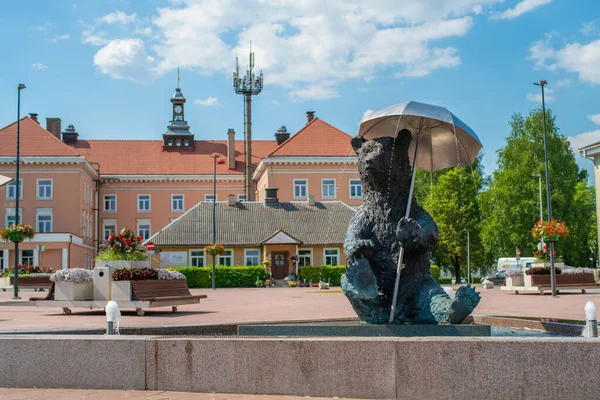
{"x":581,"y":286}
{"x":49,"y":296}
{"x":162,"y":290}
{"x":33,"y":282}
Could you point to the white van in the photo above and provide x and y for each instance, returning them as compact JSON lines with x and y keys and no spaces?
{"x":512,"y":263}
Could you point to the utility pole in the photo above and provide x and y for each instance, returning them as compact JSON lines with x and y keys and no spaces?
{"x":249,"y":86}
{"x":17,"y":192}
{"x":214,"y":218}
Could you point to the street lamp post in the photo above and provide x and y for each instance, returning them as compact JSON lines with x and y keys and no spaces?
{"x":214,"y":217}
{"x":539,"y":176}
{"x":17,"y":191}
{"x":541,"y":84}
{"x":468,"y":257}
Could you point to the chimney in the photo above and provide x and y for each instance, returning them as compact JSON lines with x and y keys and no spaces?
{"x":281,"y":135}
{"x":54,"y":126}
{"x":310,"y":115}
{"x":231,"y":200}
{"x":34,"y":117}
{"x":231,"y":149}
{"x":271,"y":199}
{"x":311,"y":200}
{"x":70,"y":135}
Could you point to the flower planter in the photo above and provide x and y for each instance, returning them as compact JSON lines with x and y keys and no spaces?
{"x":73,"y":291}
{"x":5,"y":281}
{"x":121,"y":291}
{"x":515,"y":281}
{"x":119,"y":264}
{"x":15,"y":236}
{"x":567,"y":279}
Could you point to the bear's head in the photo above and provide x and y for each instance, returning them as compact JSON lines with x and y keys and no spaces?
{"x":384,"y":162}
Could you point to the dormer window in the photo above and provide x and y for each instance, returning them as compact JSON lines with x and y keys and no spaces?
{"x":187,"y":143}
{"x":170,"y":142}
{"x":178,"y":142}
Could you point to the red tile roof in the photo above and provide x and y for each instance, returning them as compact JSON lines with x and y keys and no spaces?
{"x":34,"y":141}
{"x":147,"y":157}
{"x":317,"y":138}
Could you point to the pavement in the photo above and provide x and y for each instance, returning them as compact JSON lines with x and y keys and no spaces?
{"x":278,"y":304}
{"x":72,"y":394}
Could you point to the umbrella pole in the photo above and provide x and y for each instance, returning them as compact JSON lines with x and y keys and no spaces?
{"x":401,"y":255}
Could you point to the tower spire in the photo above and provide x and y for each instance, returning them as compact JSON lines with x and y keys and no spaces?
{"x":178,"y":78}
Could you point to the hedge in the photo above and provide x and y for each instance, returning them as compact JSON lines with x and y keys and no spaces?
{"x":326,"y":273}
{"x":225,"y":276}
{"x":435,"y":272}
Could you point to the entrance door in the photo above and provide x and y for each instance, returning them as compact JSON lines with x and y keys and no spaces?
{"x":280,"y":265}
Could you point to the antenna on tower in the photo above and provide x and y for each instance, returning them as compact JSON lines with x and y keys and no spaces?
{"x":178,"y":78}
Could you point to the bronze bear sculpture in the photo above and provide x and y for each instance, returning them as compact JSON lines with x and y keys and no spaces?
{"x":377,"y":231}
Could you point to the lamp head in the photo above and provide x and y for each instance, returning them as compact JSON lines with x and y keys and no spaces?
{"x":536,"y":175}
{"x":21,"y":86}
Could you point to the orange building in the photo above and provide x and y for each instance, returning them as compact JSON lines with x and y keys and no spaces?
{"x":77,"y":191}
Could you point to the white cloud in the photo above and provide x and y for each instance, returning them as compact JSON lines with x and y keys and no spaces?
{"x":117,"y":17}
{"x":144,"y":31}
{"x":537,"y":97}
{"x":584,"y":139}
{"x":521,"y":8}
{"x":94,"y":40}
{"x":314,"y":92}
{"x":40,"y":28}
{"x":38,"y":66}
{"x":562,"y":83}
{"x":209,"y":101}
{"x":575,"y":57}
{"x":595,"y":118}
{"x":125,"y":59}
{"x":588,"y":28}
{"x":55,"y":39}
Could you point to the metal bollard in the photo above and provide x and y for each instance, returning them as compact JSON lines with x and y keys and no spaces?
{"x":591,"y":325}
{"x":112,"y":316}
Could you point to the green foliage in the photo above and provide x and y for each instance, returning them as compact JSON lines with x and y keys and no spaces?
{"x":445,"y":281}
{"x":225,"y":276}
{"x":511,"y":204}
{"x":542,"y":271}
{"x":435,"y":272}
{"x":326,"y":273}
{"x":111,"y":255}
{"x":134,"y":274}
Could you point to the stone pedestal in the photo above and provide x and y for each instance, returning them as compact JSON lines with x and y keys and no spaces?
{"x":74,"y":291}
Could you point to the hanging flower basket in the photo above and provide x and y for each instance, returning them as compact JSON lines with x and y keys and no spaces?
{"x":215,"y":249}
{"x":550,"y":231}
{"x":17,"y":233}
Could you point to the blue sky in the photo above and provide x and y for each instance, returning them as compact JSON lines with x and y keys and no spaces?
{"x":110,"y":67}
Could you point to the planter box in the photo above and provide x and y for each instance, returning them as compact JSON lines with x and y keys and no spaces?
{"x":556,"y":264}
{"x":74,"y":291}
{"x":5,"y":281}
{"x":121,"y":291}
{"x":102,"y":275}
{"x":515,"y":281}
{"x":118,"y":264}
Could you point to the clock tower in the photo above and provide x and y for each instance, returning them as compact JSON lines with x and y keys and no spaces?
{"x":178,"y":135}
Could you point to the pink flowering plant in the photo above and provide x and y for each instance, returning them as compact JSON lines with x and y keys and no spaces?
{"x":18,"y":232}
{"x":170,"y":275}
{"x":75,"y":275}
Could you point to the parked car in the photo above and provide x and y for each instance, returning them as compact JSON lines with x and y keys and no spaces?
{"x":498,"y":278}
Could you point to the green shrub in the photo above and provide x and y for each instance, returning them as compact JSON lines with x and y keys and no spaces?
{"x":445,"y":281}
{"x":225,"y":276}
{"x":435,"y":272}
{"x":326,"y":273}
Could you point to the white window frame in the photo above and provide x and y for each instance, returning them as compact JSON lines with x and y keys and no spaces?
{"x":10,"y":212}
{"x":104,"y":203}
{"x":85,"y":193}
{"x":149,"y":203}
{"x":350,"y":188}
{"x":173,"y":209}
{"x":241,"y":198}
{"x":303,"y":256}
{"x":108,"y":222}
{"x":325,"y":255}
{"x":21,"y":256}
{"x":246,"y":256}
{"x":219,"y":258}
{"x":13,"y":184}
{"x":43,"y":212}
{"x":37,"y":189}
{"x":323,"y":188}
{"x":298,"y":182}
{"x":202,"y":257}
{"x":206,"y":195}
{"x":141,"y":222}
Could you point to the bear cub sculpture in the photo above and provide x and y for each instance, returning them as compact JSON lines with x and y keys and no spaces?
{"x":375,"y":235}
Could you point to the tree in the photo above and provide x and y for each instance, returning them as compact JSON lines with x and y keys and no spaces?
{"x":453,"y":203}
{"x":510,"y":206}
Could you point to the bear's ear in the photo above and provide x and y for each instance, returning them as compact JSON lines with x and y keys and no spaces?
{"x":357,"y":143}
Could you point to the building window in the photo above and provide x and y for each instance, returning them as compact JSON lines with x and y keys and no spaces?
{"x":328,"y":188}
{"x":109,"y":230}
{"x":241,"y":198}
{"x":44,"y":189}
{"x":210,"y":198}
{"x":110,"y":202}
{"x":85,"y":193}
{"x":177,"y":202}
{"x":44,"y":220}
{"x":144,"y":230}
{"x":332,"y":257}
{"x":10,"y":217}
{"x":11,"y":190}
{"x":143,"y":202}
{"x":226,"y":258}
{"x":300,"y":188}
{"x":355,"y":189}
{"x":27,"y":257}
{"x":197,"y":258}
{"x":252,"y":256}
{"x":304,"y":257}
